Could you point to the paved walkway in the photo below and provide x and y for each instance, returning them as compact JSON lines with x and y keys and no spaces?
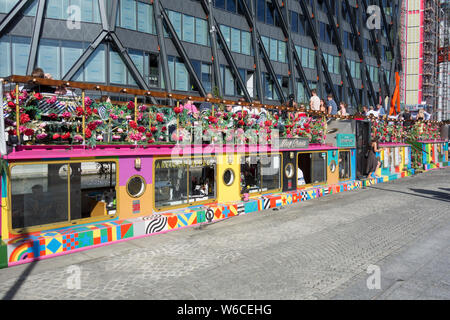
{"x":319,"y":249}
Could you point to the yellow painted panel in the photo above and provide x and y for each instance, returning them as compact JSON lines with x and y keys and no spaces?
{"x":4,"y":217}
{"x":125,"y":203}
{"x":232,"y":192}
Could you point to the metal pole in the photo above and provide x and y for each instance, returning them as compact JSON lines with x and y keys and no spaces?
{"x":3,"y":150}
{"x":84,"y":116}
{"x":17,"y":114}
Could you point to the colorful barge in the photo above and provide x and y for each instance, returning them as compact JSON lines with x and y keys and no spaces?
{"x":61,"y":199}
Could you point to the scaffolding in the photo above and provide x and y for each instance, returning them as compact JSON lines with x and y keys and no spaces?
{"x":403,"y":46}
{"x":444,"y":61}
{"x":430,"y":73}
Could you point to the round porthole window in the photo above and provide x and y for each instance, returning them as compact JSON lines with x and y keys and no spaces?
{"x":136,"y":186}
{"x":228,"y":177}
{"x":289,"y":170}
{"x":333,"y":166}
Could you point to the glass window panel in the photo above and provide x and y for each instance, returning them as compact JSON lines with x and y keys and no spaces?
{"x":188,"y":28}
{"x":20,"y":53}
{"x":344,"y":165}
{"x":265,"y":42}
{"x":305,"y":58}
{"x":70,"y":53}
{"x":202,"y":176}
{"x":206,"y":77}
{"x":175,"y":19}
{"x":5,"y":61}
{"x":181,"y":77}
{"x":235,"y":40}
{"x":48,"y":57}
{"x":128,"y":14}
{"x":250,"y":174}
{"x":337,"y":65}
{"x":226,"y":34}
{"x":201,"y":31}
{"x":39,"y":194}
{"x":231,"y":5}
{"x":94,"y":69}
{"x":118,"y":70}
{"x":144,"y":17}
{"x":270,"y":172}
{"x":229,"y":83}
{"x":92,"y":189}
{"x":31,"y":10}
{"x":246,"y":43}
{"x":171,"y":184}
{"x":319,"y":167}
{"x":312,"y":59}
{"x":96,"y":14}
{"x":273,"y":49}
{"x":138,"y":60}
{"x":281,"y":51}
{"x":171,"y":62}
{"x":55,"y":9}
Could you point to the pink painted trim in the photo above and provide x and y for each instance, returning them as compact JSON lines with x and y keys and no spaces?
{"x":34,"y":153}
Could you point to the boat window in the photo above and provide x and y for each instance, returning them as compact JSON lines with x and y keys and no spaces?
{"x":312,"y":168}
{"x":43,"y":194}
{"x":344,"y":165}
{"x":260,"y":173}
{"x":182,"y":181}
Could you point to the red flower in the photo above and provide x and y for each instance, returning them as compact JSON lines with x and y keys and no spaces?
{"x":308,"y":130}
{"x":11,"y":104}
{"x":95,"y":111}
{"x":151,"y":141}
{"x":178,"y":110}
{"x":268,"y":123}
{"x":29,"y":132}
{"x":66,"y":136}
{"x":163,"y":129}
{"x":153,"y":129}
{"x":133,"y":124}
{"x":149,"y":134}
{"x":56,"y":136}
{"x":92,"y":125}
{"x":24,"y":118}
{"x":276,"y":117}
{"x":141,"y":129}
{"x":38,"y":96}
{"x":212,"y":119}
{"x":12,"y":132}
{"x":79,"y":111}
{"x":88,"y":133}
{"x":53,"y":116}
{"x":241,"y":122}
{"x":159,"y":118}
{"x":88,"y":111}
{"x":130,"y":105}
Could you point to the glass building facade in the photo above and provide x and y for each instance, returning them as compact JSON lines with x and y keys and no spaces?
{"x":261,"y":50}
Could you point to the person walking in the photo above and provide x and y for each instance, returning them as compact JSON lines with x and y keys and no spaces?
{"x":332,"y":107}
{"x":373,"y":162}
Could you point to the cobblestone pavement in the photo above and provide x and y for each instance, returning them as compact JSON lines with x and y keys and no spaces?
{"x":318,"y":249}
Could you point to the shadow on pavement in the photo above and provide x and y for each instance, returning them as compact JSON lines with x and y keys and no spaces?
{"x":436,"y":195}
